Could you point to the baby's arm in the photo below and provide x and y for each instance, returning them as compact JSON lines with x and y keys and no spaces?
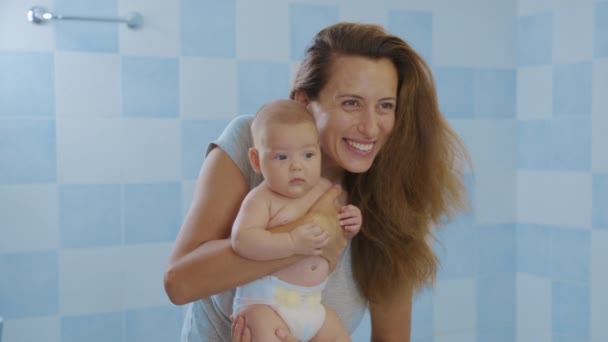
{"x":350,"y":219}
{"x":250,"y":238}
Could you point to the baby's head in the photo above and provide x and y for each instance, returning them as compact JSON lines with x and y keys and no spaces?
{"x":286,"y":148}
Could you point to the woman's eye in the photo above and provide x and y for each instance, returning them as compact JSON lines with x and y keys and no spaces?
{"x":350,"y":103}
{"x":387,"y":105}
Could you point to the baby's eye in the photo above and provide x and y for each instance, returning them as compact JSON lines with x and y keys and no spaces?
{"x":280,"y":157}
{"x":309,"y":155}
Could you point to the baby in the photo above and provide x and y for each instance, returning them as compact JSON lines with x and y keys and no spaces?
{"x":287,"y":153}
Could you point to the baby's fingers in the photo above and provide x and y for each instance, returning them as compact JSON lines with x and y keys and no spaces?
{"x":350,"y":221}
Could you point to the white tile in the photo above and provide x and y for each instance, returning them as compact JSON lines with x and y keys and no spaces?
{"x":91,"y":280}
{"x":87,"y":85}
{"x":488,"y":29}
{"x":530,"y":7}
{"x":29,"y":218}
{"x":208,"y":88}
{"x":491,"y":146}
{"x":152,"y":150}
{"x":455,"y":307}
{"x":89,"y":150}
{"x":533,"y":308}
{"x":554,"y":198}
{"x":47,"y":329}
{"x":17,"y":33}
{"x":599,"y":284}
{"x":262,"y":30}
{"x":534,"y":92}
{"x":159,"y":34}
{"x":573,"y":32}
{"x":365,"y":14}
{"x":187,"y":195}
{"x":599,"y":147}
{"x":410,"y":5}
{"x":144,"y":267}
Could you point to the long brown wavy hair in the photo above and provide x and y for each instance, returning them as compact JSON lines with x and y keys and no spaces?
{"x":416,"y":181}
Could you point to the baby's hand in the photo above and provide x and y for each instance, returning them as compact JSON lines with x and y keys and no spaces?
{"x":350,"y":219}
{"x":308,"y":239}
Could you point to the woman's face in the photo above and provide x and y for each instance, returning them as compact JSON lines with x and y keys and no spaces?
{"x":355,"y":112}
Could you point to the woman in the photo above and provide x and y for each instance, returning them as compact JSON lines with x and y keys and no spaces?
{"x":384,"y":140}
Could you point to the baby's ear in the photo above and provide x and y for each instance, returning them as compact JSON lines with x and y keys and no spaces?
{"x":254,"y":159}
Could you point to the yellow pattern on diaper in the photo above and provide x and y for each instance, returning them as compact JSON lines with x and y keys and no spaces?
{"x":291,"y":298}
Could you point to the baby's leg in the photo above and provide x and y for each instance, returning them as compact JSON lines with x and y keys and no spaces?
{"x":263,"y":322}
{"x":332,"y":329}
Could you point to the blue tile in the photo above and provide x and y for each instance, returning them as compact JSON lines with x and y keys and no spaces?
{"x":601,"y":29}
{"x":422,"y":316}
{"x":534,"y":39}
{"x":496,"y":249}
{"x":305,"y":22}
{"x":93,"y":328}
{"x":416,"y":28}
{"x":152,"y":212}
{"x":86,"y":35}
{"x":497,"y":335}
{"x":208,"y":28}
{"x":495,"y":93}
{"x":600,"y":200}
{"x":27,"y":84}
{"x":27,"y":160}
{"x":495,"y":302}
{"x":571,"y":310}
{"x":153,"y":324}
{"x":455,"y":89}
{"x":468,"y":216}
{"x":29,"y":285}
{"x":562,"y":143}
{"x":572,"y":89}
{"x":260,"y":82}
{"x":89,"y":215}
{"x":570,"y":255}
{"x":150,"y":87}
{"x":457,"y":251}
{"x":534,"y":250}
{"x":196,"y":136}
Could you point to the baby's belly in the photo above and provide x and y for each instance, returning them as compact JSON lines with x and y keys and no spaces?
{"x":310,"y":271}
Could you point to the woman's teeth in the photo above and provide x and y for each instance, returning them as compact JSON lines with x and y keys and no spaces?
{"x":359,"y":146}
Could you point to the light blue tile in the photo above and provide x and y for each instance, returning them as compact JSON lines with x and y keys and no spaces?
{"x":570,"y":255}
{"x":496,"y":249}
{"x":494,"y":93}
{"x":102,"y":327}
{"x":562,"y":143}
{"x":571,"y":310}
{"x":89,"y":215}
{"x":601,"y":30}
{"x":468,"y":216}
{"x":572,"y":89}
{"x":152,"y":212}
{"x":497,"y":335}
{"x":260,"y":82}
{"x":495,"y":302}
{"x":196,"y":136}
{"x":455,"y":89}
{"x":534,"y":249}
{"x":27,"y":84}
{"x":27,"y":151}
{"x":422,"y":316}
{"x":29,"y":284}
{"x":86,"y":36}
{"x":566,"y":338}
{"x":534,"y":39}
{"x":150,"y":87}
{"x":208,"y":28}
{"x":157,"y":324}
{"x":600,"y":200}
{"x":305,"y":21}
{"x":457,"y":251}
{"x":416,"y":28}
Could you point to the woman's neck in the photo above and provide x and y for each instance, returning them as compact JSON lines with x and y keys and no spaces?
{"x":331,"y":171}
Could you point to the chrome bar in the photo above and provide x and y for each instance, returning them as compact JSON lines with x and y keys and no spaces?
{"x":39,"y":15}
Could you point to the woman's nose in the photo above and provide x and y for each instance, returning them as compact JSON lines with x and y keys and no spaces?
{"x":368,"y":124}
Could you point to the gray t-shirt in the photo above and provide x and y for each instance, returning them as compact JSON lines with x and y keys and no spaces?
{"x":207,"y":320}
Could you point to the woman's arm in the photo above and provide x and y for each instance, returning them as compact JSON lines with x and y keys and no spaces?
{"x":202,"y":262}
{"x":392,"y":318}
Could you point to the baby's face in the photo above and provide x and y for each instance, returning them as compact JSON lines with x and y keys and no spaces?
{"x":290,"y":158}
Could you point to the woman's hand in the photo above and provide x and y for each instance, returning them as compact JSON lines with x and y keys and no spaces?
{"x":325,"y":213}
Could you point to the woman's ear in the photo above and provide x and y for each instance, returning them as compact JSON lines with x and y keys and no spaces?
{"x":254,"y":159}
{"x":300,"y":97}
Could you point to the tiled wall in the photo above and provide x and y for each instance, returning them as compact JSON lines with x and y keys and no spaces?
{"x":562,"y":171}
{"x":103,"y":131}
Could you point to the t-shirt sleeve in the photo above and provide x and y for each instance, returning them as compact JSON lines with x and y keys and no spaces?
{"x":236,"y":140}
